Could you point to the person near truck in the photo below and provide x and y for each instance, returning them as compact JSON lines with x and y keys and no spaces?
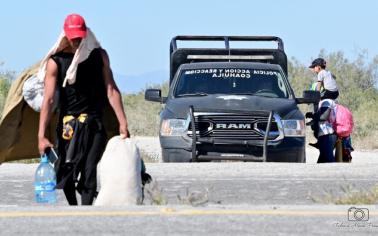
{"x":325,"y":117}
{"x":80,"y":70}
{"x":325,"y":80}
{"x":326,"y":85}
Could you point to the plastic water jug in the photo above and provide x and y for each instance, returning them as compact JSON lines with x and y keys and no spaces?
{"x":45,"y":182}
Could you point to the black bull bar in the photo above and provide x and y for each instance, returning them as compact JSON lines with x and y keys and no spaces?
{"x":244,"y":157}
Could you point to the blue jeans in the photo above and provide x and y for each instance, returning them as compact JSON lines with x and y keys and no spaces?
{"x":347,"y":144}
{"x":326,"y":146}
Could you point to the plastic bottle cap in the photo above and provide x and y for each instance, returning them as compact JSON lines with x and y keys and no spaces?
{"x":44,"y":158}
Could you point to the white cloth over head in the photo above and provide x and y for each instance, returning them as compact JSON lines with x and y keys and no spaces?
{"x":82,"y":53}
{"x":33,"y":88}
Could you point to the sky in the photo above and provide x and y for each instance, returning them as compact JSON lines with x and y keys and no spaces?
{"x":136,"y":34}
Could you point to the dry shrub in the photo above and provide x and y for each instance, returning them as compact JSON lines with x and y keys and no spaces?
{"x":350,"y":195}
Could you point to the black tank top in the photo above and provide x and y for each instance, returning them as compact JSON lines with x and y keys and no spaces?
{"x":88,"y":93}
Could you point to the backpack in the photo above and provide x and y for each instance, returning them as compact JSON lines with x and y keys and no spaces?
{"x":343,"y":124}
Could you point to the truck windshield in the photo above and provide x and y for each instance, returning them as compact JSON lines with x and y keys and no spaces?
{"x":238,"y":81}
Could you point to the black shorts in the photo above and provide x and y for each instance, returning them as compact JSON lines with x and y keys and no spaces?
{"x":330,"y":95}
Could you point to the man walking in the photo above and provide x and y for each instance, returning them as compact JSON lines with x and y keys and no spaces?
{"x":79,"y":69}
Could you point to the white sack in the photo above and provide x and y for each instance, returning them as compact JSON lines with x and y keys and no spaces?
{"x":120,"y":174}
{"x":33,"y":90}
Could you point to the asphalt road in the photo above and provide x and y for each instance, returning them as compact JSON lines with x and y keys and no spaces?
{"x":231,"y":220}
{"x":206,"y":198}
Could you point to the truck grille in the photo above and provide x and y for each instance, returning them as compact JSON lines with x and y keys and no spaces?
{"x":234,"y":126}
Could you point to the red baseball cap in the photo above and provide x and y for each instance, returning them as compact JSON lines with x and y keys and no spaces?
{"x":74,"y":26}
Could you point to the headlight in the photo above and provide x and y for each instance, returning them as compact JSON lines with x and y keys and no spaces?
{"x":174,"y":127}
{"x":294,"y":128}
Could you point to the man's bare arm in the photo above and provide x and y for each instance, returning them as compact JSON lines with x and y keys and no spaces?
{"x":114,"y":96}
{"x":47,"y":104}
{"x":319,"y":86}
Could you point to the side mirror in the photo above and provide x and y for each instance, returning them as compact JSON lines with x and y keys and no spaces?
{"x":154,"y":95}
{"x":309,"y":96}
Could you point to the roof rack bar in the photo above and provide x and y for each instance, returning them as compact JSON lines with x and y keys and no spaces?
{"x":226,"y":40}
{"x":230,"y":57}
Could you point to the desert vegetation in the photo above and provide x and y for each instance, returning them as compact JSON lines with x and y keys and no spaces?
{"x":357,"y":80}
{"x":5,"y":82}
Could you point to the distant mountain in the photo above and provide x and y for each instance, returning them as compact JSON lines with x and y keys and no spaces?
{"x":135,"y":83}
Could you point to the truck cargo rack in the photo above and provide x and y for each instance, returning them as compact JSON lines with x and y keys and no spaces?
{"x":179,"y":56}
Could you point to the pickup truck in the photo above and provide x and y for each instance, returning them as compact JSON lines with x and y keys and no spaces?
{"x":231,"y":104}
